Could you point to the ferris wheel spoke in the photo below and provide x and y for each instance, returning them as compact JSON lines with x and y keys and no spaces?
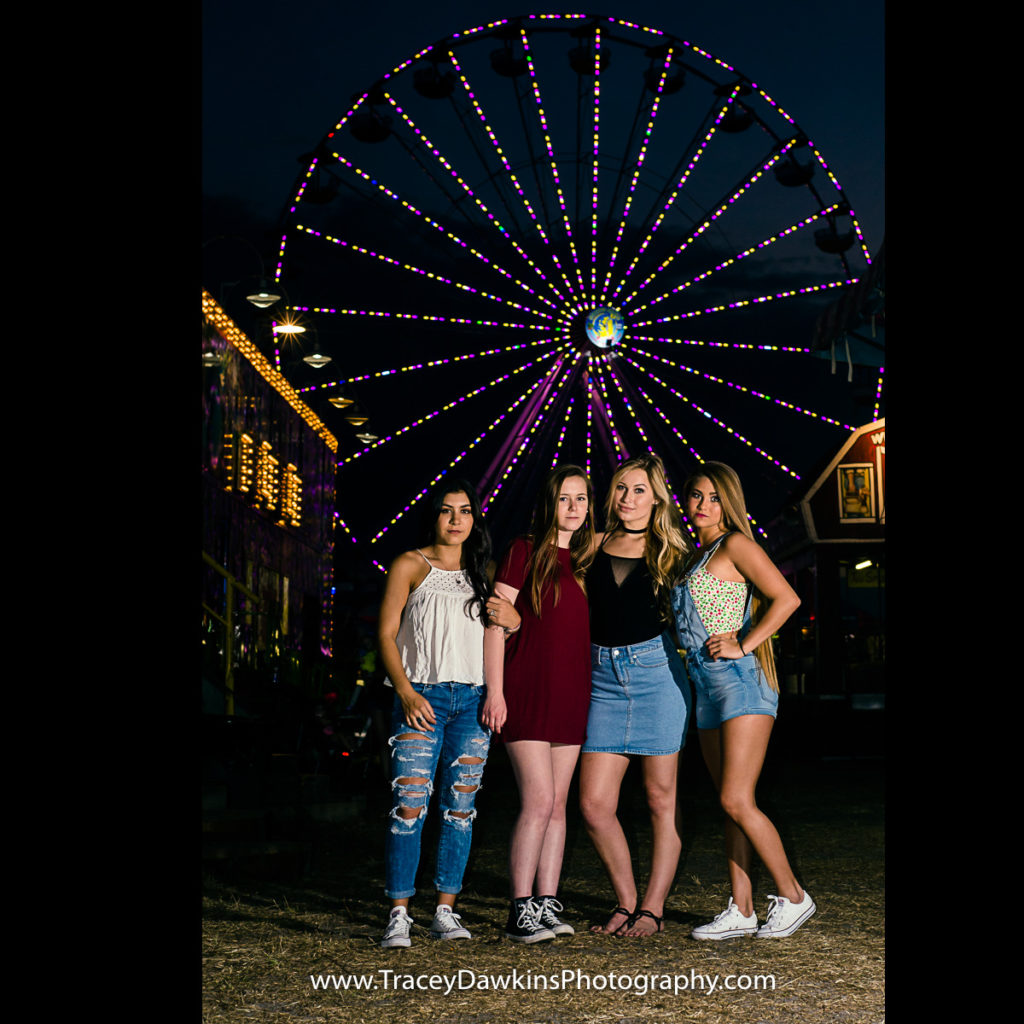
{"x":619,"y":447}
{"x":429,"y":364}
{"x":458,"y":458}
{"x":639,"y":162}
{"x":714,"y":419}
{"x":456,"y":321}
{"x":691,"y":166}
{"x":738,"y":387}
{"x":535,"y":421}
{"x":453,"y":238}
{"x":494,"y":222}
{"x":561,"y":436}
{"x":597,"y":150}
{"x":722,"y":208}
{"x":740,"y":303}
{"x":453,"y":404}
{"x":556,"y":181}
{"x":757,"y":247}
{"x":516,"y":184}
{"x":430,"y":275}
{"x":720,"y":344}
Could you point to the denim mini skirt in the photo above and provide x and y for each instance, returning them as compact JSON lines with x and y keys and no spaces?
{"x":639,"y":699}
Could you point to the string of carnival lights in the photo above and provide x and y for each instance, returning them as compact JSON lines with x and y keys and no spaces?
{"x":427,"y":365}
{"x":454,"y":403}
{"x":645,"y":142}
{"x":714,"y":419}
{"x":741,"y":387}
{"x":763,"y":244}
{"x":458,"y":458}
{"x":740,"y":192}
{"x":531,"y":433}
{"x":690,"y":167}
{"x":423,"y":273}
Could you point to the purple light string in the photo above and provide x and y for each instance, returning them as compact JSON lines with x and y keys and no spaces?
{"x":636,"y":173}
{"x":445,"y":408}
{"x":551,"y":160}
{"x":561,"y":436}
{"x":741,"y":191}
{"x":738,"y":304}
{"x":440,"y":227}
{"x":476,"y":199}
{"x":424,"y":273}
{"x":422,"y":366}
{"x":763,"y":244}
{"x":458,"y":458}
{"x":671,"y":199}
{"x":531,"y":435}
{"x":750,"y":391}
{"x":620,"y":448}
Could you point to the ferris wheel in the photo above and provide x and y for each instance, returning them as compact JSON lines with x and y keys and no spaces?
{"x":557,"y":238}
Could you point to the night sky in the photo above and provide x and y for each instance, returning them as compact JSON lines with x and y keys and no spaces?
{"x":277,"y":77}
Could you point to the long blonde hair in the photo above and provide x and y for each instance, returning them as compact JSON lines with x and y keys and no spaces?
{"x":726,"y":484}
{"x":542,"y":567}
{"x":666,"y":545}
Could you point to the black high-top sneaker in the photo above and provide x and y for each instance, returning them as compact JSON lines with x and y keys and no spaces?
{"x":524,"y":922}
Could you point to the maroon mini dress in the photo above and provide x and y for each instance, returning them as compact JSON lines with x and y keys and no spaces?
{"x":547,"y":661}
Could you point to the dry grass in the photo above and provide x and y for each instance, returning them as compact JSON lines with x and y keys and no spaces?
{"x":263,"y":939}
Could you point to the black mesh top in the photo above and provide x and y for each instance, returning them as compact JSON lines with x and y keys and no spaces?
{"x":623,"y":608}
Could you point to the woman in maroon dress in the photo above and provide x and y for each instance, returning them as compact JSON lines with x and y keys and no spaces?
{"x":538,"y":690}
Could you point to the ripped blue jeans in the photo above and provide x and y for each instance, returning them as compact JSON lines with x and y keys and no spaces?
{"x":457,"y":739}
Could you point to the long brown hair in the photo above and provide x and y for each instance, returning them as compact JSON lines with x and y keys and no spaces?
{"x":542,"y":567}
{"x":726,"y":484}
{"x":666,"y":546}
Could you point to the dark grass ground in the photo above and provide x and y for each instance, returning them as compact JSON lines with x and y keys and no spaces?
{"x":264,"y":938}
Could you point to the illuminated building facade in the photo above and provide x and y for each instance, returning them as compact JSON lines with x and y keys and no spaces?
{"x":268,"y":511}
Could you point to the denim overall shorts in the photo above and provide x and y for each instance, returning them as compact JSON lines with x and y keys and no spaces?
{"x":726,"y":688}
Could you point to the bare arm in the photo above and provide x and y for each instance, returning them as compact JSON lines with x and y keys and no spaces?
{"x":753,"y":564}
{"x":494,"y":712}
{"x":403,"y":576}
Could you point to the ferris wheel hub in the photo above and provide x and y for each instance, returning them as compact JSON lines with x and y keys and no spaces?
{"x":605,"y":326}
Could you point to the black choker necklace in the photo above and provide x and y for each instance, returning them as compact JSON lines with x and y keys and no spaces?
{"x":628,"y":530}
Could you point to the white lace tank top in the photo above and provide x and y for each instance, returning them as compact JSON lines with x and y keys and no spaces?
{"x":438,"y":640}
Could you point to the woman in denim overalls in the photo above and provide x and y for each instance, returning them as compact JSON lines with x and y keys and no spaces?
{"x":727,"y":634}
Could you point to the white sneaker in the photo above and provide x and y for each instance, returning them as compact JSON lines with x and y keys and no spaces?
{"x":549,"y":918}
{"x":785,"y":916}
{"x":397,"y":931}
{"x":729,"y":924}
{"x":446,"y":925}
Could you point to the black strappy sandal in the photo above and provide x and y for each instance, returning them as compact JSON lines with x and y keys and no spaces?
{"x":637,"y":914}
{"x":628,"y":923}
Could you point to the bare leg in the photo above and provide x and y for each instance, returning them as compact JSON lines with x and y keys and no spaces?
{"x":738,"y":850}
{"x":660,"y":774}
{"x":549,"y":868}
{"x":601,"y":776}
{"x":532,"y":767}
{"x":743,"y":742}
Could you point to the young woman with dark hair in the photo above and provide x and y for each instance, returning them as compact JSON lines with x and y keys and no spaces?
{"x":538,"y":691}
{"x":640,"y":698}
{"x":729,"y":603}
{"x":437,"y":601}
